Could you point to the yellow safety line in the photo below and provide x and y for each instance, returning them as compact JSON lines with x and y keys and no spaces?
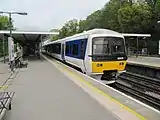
{"x":5,"y":86}
{"x":104,"y":94}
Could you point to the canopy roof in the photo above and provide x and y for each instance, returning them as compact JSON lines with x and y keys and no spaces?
{"x":27,"y":37}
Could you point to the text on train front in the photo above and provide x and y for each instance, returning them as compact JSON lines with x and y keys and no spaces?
{"x":108,"y":54}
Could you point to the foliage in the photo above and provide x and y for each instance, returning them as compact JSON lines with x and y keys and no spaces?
{"x":93,"y":20}
{"x":4,"y":22}
{"x":4,"y":25}
{"x":109,"y":17}
{"x":134,"y":19}
{"x":134,"y":16}
{"x":157,"y":9}
{"x":82,"y":26}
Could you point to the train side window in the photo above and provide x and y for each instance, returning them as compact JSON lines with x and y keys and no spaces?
{"x":67,"y":49}
{"x":53,"y":50}
{"x":59,"y":48}
{"x":82,"y":49}
{"x":75,"y":50}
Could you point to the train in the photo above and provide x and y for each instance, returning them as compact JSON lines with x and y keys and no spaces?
{"x":99,"y":53}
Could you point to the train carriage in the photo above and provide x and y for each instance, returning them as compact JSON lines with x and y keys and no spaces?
{"x":99,"y":53}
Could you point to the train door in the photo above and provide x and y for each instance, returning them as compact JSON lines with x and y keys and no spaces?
{"x":88,"y":56}
{"x":62,"y":52}
{"x":83,"y":51}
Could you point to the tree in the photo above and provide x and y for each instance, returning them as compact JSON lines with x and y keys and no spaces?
{"x":120,"y":15}
{"x":82,"y":26}
{"x":151,"y":3}
{"x":4,"y":23}
{"x":70,"y":28}
{"x":135,"y":19}
{"x":54,"y":37}
{"x":157,"y":9}
{"x":54,"y":30}
{"x":109,"y":16}
{"x":94,"y":20}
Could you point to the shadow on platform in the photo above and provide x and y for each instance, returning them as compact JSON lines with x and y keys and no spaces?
{"x":33,"y":58}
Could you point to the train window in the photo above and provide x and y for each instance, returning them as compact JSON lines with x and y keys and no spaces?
{"x":56,"y":48}
{"x":75,"y":49}
{"x":82,"y":49}
{"x":67,"y":49}
{"x":117,"y":45}
{"x":52,"y":48}
{"x":108,"y":46}
{"x":100,"y":46}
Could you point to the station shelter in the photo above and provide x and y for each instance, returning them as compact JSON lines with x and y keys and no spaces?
{"x":29,"y":42}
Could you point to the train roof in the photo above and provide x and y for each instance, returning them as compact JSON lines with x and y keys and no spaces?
{"x":89,"y":32}
{"x":94,"y":31}
{"x":101,"y":31}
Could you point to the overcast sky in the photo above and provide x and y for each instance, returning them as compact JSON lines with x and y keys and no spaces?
{"x":46,"y":14}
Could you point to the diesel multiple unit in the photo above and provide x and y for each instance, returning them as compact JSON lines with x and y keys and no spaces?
{"x":99,"y":53}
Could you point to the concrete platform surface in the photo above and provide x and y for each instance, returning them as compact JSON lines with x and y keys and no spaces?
{"x":44,"y":93}
{"x":147,"y":61}
{"x":4,"y":73}
{"x":115,"y":101}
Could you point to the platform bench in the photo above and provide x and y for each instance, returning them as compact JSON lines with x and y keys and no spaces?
{"x":5,"y":102}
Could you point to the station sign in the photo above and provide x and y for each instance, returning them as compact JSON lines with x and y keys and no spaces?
{"x":11,"y":48}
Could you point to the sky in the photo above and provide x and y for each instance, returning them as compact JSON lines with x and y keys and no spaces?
{"x":44,"y":15}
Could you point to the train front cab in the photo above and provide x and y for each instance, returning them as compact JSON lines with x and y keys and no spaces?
{"x":108,"y":57}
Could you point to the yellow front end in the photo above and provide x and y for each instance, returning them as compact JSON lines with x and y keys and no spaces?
{"x":99,"y":67}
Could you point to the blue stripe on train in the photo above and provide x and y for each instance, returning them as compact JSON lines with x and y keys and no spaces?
{"x":82,"y":44}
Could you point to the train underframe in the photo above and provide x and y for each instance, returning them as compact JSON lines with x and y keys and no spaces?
{"x":108,"y":77}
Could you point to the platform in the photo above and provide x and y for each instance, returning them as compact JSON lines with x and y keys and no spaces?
{"x":153,"y":62}
{"x":48,"y":90}
{"x":4,"y":73}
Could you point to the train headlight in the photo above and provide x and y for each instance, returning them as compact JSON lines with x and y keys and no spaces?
{"x":121,"y":63}
{"x":99,"y":65}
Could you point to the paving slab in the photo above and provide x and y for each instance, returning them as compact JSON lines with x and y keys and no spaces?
{"x":4,"y":72}
{"x":130,"y":104}
{"x":44,"y":93}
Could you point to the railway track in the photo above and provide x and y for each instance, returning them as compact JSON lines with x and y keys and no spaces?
{"x":142,"y":88}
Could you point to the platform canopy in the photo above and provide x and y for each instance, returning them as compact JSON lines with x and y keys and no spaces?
{"x":27,"y":37}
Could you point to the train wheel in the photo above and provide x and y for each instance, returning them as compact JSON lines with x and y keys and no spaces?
{"x":84,"y":72}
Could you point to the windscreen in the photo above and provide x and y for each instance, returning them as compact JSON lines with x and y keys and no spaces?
{"x":108,"y":46}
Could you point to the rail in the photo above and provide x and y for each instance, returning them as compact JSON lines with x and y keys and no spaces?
{"x":141,"y":87}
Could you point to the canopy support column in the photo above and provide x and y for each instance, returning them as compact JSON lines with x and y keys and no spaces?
{"x":4,"y":55}
{"x":137,"y":46}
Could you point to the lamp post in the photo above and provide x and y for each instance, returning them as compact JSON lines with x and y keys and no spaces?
{"x":10,"y":30}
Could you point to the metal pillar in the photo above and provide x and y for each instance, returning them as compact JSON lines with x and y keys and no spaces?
{"x":41,"y":49}
{"x":4,"y":55}
{"x":10,"y":31}
{"x":137,"y":47}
